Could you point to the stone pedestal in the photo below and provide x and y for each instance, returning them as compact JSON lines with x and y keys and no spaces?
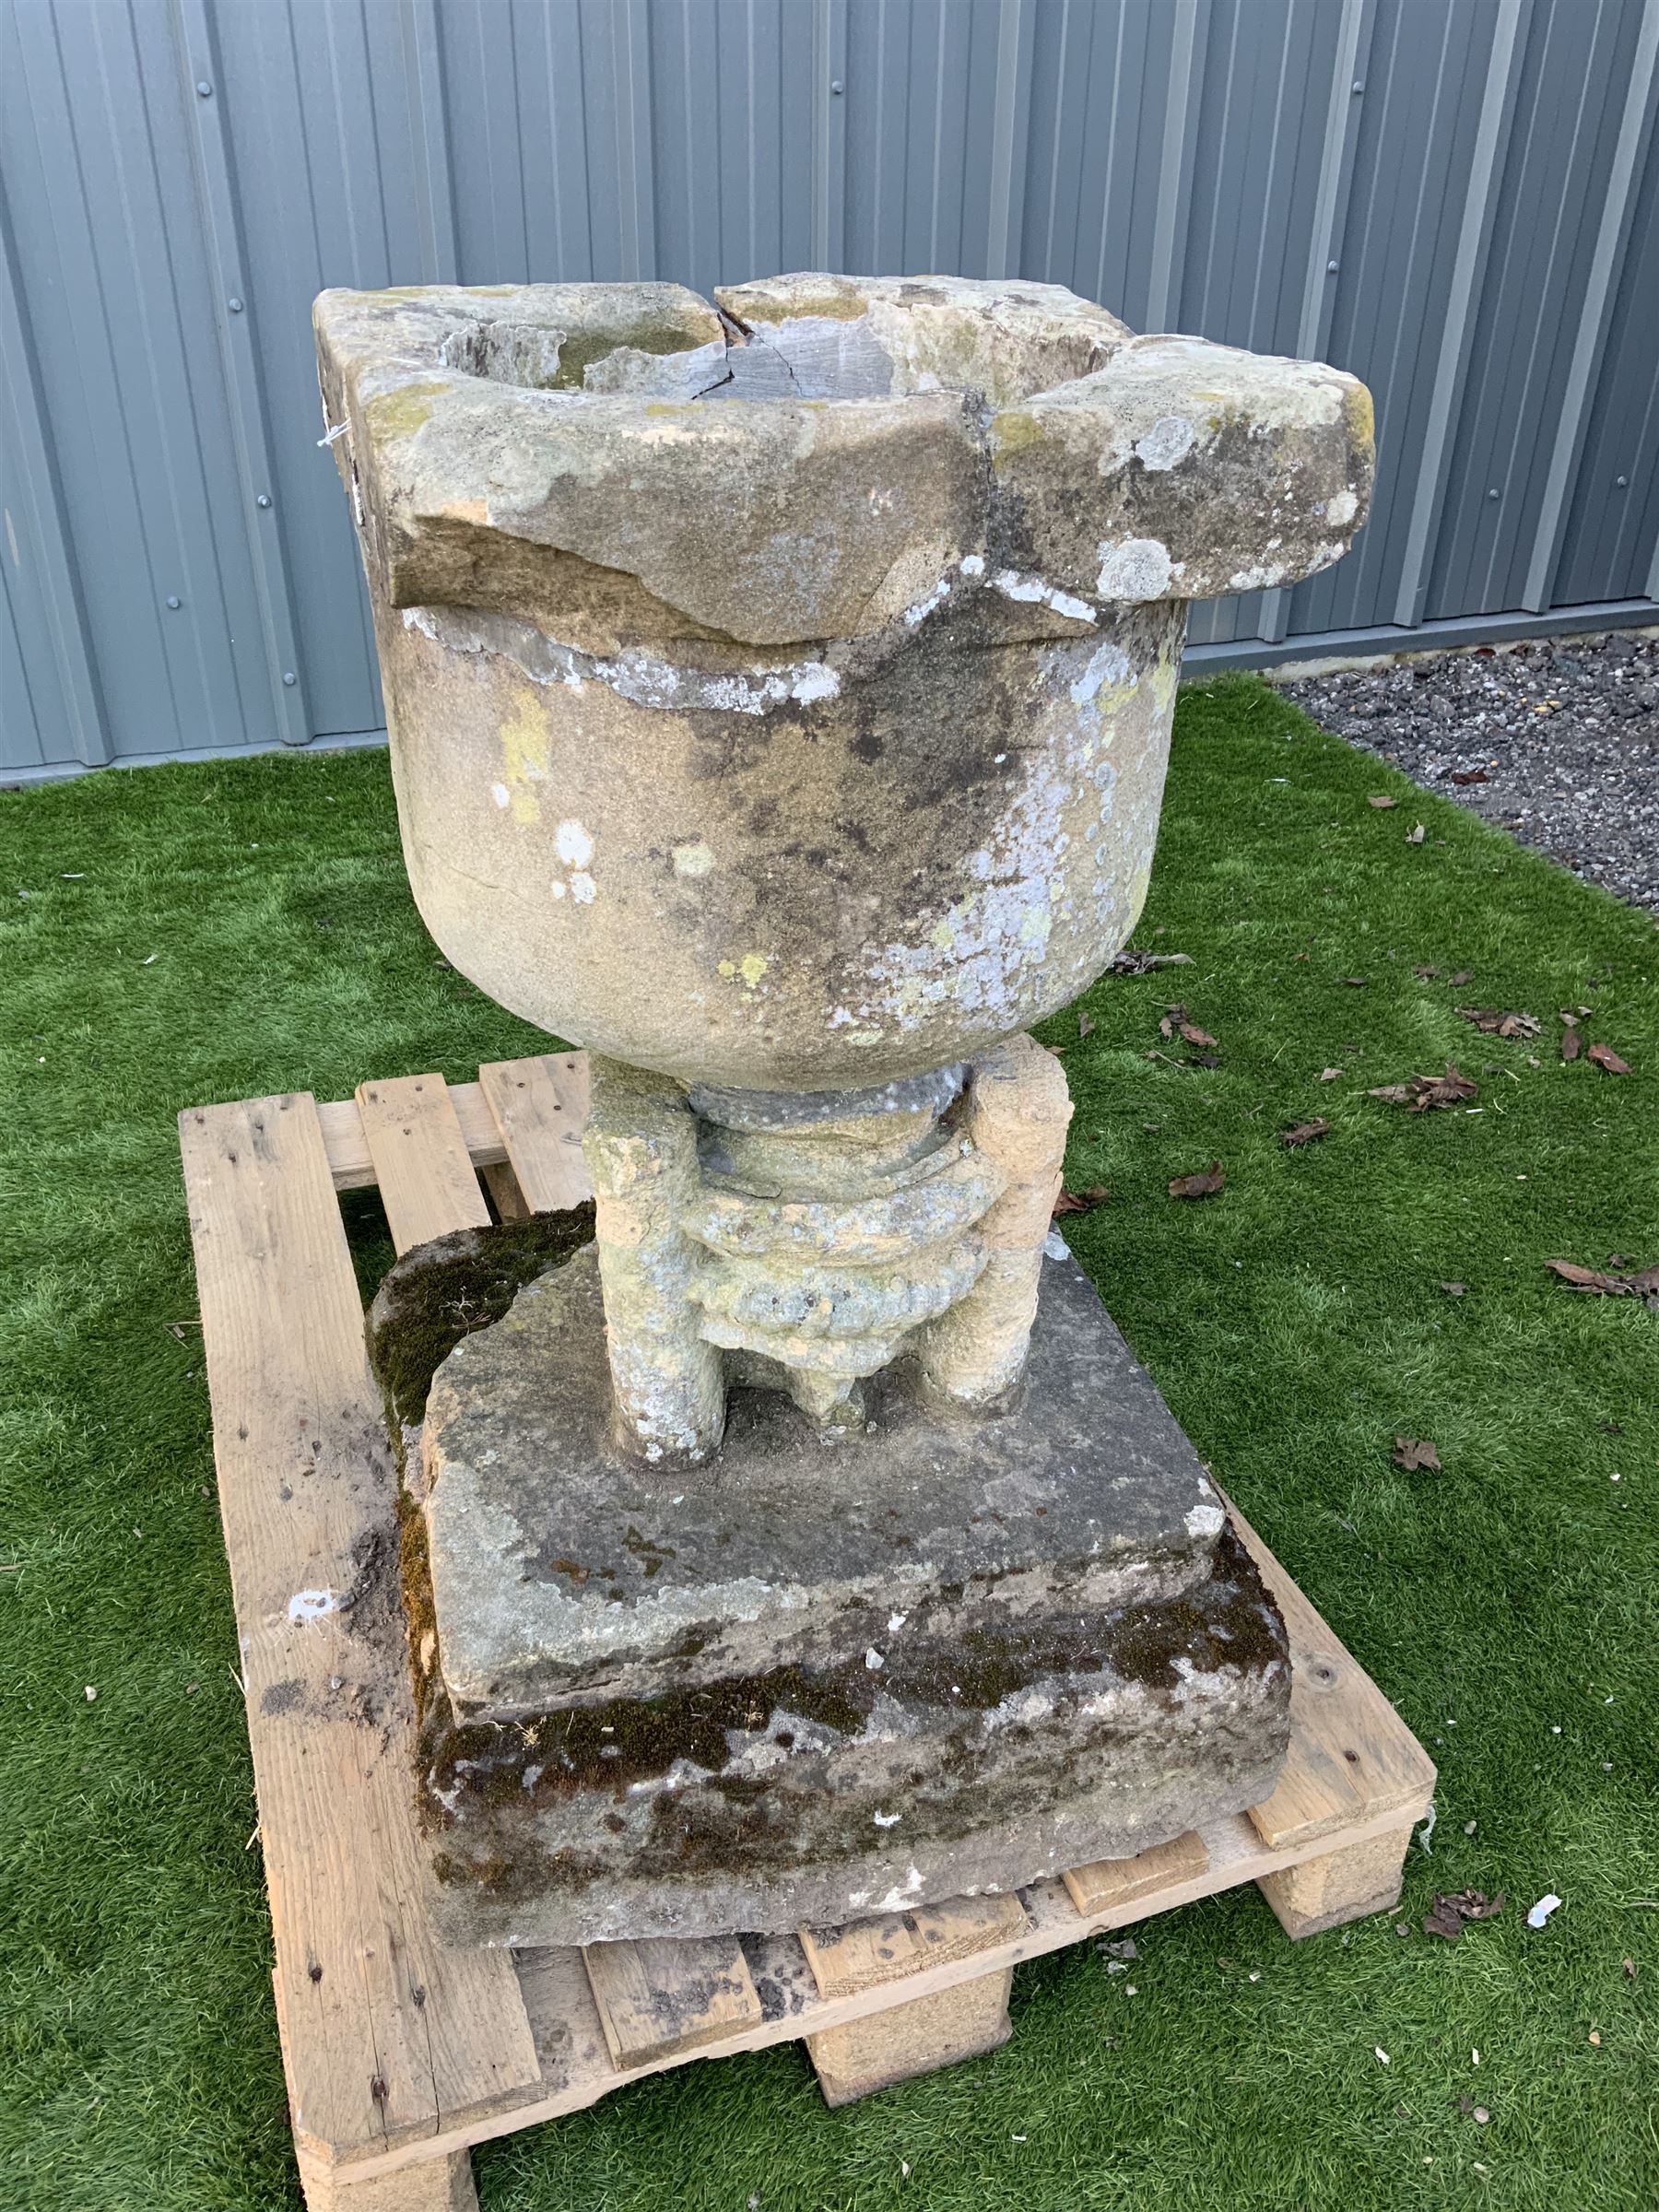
{"x":818,"y":1678}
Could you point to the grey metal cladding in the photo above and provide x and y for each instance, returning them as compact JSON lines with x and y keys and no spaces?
{"x":1458,"y":199}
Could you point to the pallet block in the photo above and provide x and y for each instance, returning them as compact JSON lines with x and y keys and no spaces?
{"x":401,"y":2054}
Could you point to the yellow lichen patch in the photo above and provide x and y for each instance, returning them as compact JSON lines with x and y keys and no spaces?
{"x":752,"y":968}
{"x":1361,"y":418}
{"x":1011,"y":431}
{"x":526,"y":739}
{"x":842,"y":304}
{"x":401,"y":413}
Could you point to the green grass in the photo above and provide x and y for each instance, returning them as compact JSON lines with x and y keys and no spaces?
{"x":1508,"y":1604}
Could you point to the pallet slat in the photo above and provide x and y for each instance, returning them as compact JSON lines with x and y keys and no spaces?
{"x":540,"y":1107}
{"x":351,"y":1163}
{"x":868,"y":1952}
{"x":661,"y":1998}
{"x":1351,"y":1759}
{"x":427,"y":1185}
{"x":386,"y":2035}
{"x":1111,"y":1882}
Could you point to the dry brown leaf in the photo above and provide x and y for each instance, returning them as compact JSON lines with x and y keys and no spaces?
{"x":1142,"y":963}
{"x":1085,"y":1024}
{"x":1424,"y":1091}
{"x":1329,"y":1075}
{"x":1464,"y":975}
{"x":1641,"y":1282}
{"x":1454,"y":1289}
{"x":1606,"y":1057}
{"x":1412,"y":1453}
{"x":1380,"y":799}
{"x":1571,"y":1043}
{"x":1199,"y":1186}
{"x":1082,"y":1202}
{"x":1194,"y":1034}
{"x":1496,"y":1023}
{"x":1425,"y":973}
{"x":1450,"y":1912}
{"x":1415,"y":837}
{"x":1305,"y":1132}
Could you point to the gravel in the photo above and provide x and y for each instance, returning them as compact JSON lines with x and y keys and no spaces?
{"x":1556,"y":740}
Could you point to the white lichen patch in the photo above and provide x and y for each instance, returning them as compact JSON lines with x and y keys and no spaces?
{"x":573,"y":844}
{"x":500,"y":794}
{"x":1341,"y":508}
{"x":583,"y":890}
{"x":1134,"y":569}
{"x":924,"y":607}
{"x":1032,"y":591}
{"x":888,"y":1819}
{"x":693,"y":859}
{"x":1170,"y":440}
{"x":1109,"y":665}
{"x":1205,"y":1521}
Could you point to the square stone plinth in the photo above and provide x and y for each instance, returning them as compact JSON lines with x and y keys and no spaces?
{"x":814,"y":1679}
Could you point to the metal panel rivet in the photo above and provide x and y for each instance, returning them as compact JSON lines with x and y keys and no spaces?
{"x":265,"y":499}
{"x":835,"y":84}
{"x":174,"y":601}
{"x":1359,"y":84}
{"x":235,"y":306}
{"x":1331,"y":268}
{"x":1621,"y":481}
{"x":289,"y":676}
{"x":204,"y":88}
{"x":1494,"y":493}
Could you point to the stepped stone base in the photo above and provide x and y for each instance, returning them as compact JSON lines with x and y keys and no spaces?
{"x":816,"y":1679}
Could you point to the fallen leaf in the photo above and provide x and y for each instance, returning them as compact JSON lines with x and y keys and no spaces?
{"x":1496,"y":1023}
{"x":1305,"y":1132}
{"x":1085,"y":1024}
{"x":1411,"y":1453}
{"x":1468,"y":776}
{"x":1082,"y":1202}
{"x":1606,"y":1057}
{"x":1414,"y":837}
{"x":1141,"y":963}
{"x":1329,"y":1075}
{"x":1354,"y":982}
{"x":1425,"y":973}
{"x":1571,"y":1042}
{"x":1380,"y":799}
{"x":1199,"y":1186}
{"x":1194,"y":1034}
{"x":1640,"y":1283}
{"x":1450,"y":1912}
{"x":1424,"y":1091}
{"x":1454,"y":1289}
{"x":1464,"y":975}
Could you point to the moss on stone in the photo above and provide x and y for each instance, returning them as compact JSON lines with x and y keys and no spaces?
{"x":442,"y":1291}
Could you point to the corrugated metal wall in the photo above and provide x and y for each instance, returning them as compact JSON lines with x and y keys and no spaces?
{"x":1459,"y":199}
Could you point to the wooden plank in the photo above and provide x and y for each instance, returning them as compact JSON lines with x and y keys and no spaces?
{"x":389,"y":2039}
{"x":869,"y":1952}
{"x":502,"y":1185}
{"x":540,"y":1107}
{"x":662,"y":1997}
{"x":1117,"y":1881}
{"x":427,"y":1185}
{"x":1352,"y":1758}
{"x":351,"y":1163}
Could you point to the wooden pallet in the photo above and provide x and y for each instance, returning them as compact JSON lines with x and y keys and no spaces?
{"x":401,"y":2054}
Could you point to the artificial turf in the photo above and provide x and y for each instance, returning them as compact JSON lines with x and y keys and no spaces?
{"x":175,"y":936}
